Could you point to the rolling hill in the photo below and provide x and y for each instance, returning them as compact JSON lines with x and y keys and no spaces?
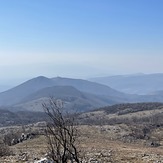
{"x":76,"y":93}
{"x":137,"y":113}
{"x":73,"y":99}
{"x":10,"y":118}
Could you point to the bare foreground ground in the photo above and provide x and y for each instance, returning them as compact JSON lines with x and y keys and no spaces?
{"x":98,"y":145}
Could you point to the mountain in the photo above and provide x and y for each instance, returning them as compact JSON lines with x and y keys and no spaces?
{"x":157,"y":93}
{"x":4,"y":88}
{"x":87,"y":86}
{"x":78,"y":93}
{"x":16,"y":94}
{"x":133,"y":84}
{"x":73,"y":99}
{"x":55,"y":91}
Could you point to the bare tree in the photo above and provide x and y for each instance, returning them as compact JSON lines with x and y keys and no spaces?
{"x":61,"y":133}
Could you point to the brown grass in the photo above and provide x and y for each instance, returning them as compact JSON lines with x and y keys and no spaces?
{"x":96,"y":143}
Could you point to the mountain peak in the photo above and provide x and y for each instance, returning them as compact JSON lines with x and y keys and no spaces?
{"x":40,"y":78}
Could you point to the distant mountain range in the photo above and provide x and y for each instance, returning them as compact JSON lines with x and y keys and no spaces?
{"x":141,"y":84}
{"x":77,"y":94}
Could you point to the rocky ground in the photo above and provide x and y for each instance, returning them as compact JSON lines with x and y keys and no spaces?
{"x":98,"y":144}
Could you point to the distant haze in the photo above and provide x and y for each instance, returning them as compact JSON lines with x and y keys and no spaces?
{"x":79,"y":39}
{"x":135,"y":83}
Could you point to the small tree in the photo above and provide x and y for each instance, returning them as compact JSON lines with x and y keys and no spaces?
{"x":61,"y":133}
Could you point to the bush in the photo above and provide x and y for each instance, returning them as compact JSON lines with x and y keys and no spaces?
{"x":4,"y":150}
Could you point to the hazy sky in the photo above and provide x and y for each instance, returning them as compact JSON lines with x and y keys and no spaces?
{"x":80,"y":38}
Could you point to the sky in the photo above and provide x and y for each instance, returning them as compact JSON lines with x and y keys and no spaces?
{"x":79,"y":38}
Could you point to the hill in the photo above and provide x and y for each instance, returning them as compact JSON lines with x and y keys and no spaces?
{"x":80,"y":94}
{"x":72,"y":98}
{"x":87,"y":86}
{"x":16,"y":94}
{"x":119,"y":140}
{"x":133,"y":84}
{"x":10,"y":118}
{"x":148,"y":114}
{"x":135,"y":113}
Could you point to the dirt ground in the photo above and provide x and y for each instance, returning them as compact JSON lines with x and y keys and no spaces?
{"x":97,"y":144}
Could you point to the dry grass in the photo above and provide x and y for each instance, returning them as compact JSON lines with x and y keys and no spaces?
{"x":96,"y":143}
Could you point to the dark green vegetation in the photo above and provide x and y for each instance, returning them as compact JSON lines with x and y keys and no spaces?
{"x":9,"y":118}
{"x":131,"y":108}
{"x":136,"y":113}
{"x":151,"y":113}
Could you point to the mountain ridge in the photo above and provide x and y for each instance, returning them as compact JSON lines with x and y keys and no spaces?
{"x":142,"y":84}
{"x":45,"y":87}
{"x":76,"y":93}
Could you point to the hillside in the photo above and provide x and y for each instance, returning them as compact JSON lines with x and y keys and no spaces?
{"x":80,"y":94}
{"x":16,"y":94}
{"x":4,"y":88}
{"x":73,"y":99}
{"x":133,"y":84}
{"x":87,"y":86}
{"x":138,"y":113}
{"x":131,"y":108}
{"x":134,"y":136}
{"x":10,"y":118}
